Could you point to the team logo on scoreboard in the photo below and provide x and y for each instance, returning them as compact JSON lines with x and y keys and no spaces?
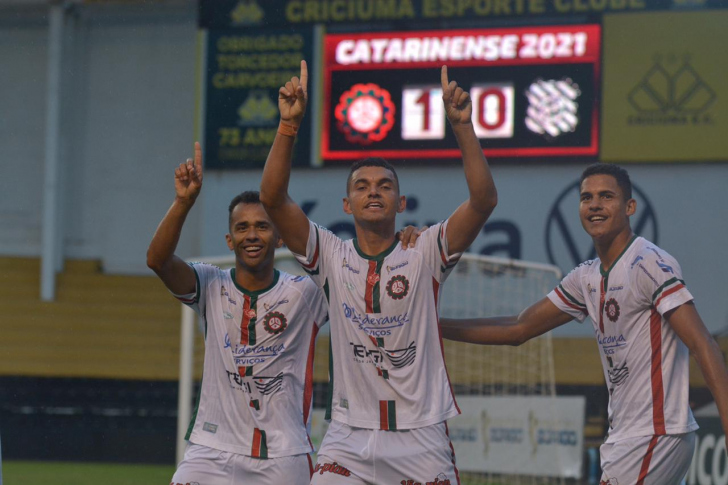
{"x":275,"y":323}
{"x":365,"y":113}
{"x":257,"y":109}
{"x":398,"y":287}
{"x":612,"y":309}
{"x":552,"y":107}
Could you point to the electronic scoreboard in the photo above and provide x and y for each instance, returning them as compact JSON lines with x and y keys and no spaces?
{"x":534,"y":92}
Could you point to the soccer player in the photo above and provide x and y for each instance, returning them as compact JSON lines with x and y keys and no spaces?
{"x":252,"y":417}
{"x":389,"y":394}
{"x":646,"y":326}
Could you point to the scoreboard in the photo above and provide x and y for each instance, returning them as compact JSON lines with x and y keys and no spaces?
{"x":533,"y":89}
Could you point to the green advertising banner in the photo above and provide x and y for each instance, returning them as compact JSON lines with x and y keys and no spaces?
{"x":241,"y":13}
{"x":665,"y":96}
{"x":245,"y":69}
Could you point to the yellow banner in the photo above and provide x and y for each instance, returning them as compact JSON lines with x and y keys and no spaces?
{"x":665,"y":94}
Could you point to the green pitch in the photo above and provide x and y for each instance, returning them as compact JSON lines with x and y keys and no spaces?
{"x":57,"y":473}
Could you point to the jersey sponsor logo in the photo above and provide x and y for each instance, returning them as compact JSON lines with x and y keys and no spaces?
{"x":246,"y":355}
{"x":611,"y":308}
{"x":590,"y":288}
{"x":375,"y":326}
{"x":399,"y":358}
{"x":665,"y":267}
{"x":636,"y":260}
{"x":644,"y":270}
{"x":275,"y":323}
{"x":333,"y":468}
{"x":398,"y":287}
{"x":298,"y":279}
{"x":616,"y":288}
{"x":209,"y":427}
{"x":269,"y":385}
{"x":237,"y":382}
{"x":274,"y":305}
{"x":345,"y":264}
{"x":617,"y":374}
{"x":397,"y":266}
{"x":610,"y":343}
{"x":224,"y":292}
{"x":440,"y":479}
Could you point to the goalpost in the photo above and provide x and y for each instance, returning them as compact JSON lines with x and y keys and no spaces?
{"x":480,"y":286}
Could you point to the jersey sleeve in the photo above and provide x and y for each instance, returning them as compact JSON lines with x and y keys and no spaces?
{"x":568,"y":296}
{"x":317,"y":303}
{"x":321,"y":243}
{"x":203,"y":275}
{"x":659,"y":282}
{"x":433,"y":245}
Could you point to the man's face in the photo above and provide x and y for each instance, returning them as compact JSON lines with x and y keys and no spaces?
{"x":373,"y":195}
{"x":602,"y":209}
{"x":252,"y":236}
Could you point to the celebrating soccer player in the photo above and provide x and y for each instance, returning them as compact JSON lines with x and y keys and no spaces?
{"x":387,"y":373}
{"x":646,"y":325}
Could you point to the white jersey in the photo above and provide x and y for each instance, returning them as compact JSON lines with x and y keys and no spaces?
{"x":388,"y":368}
{"x":256,"y":392}
{"x":645,"y":363}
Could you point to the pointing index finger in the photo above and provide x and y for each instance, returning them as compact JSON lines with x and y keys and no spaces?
{"x":443,"y":78}
{"x":198,"y":157}
{"x":304,"y":76}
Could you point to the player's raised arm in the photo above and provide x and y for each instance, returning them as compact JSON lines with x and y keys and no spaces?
{"x":535,"y":320}
{"x":688,"y":325}
{"x":288,"y":217}
{"x":177,"y":275}
{"x":467,"y":221}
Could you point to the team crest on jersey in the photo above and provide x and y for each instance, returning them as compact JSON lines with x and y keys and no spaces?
{"x":612,"y":309}
{"x":275,"y":323}
{"x":398,"y":287}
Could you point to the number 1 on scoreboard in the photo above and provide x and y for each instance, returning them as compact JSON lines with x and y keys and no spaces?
{"x":423,"y":115}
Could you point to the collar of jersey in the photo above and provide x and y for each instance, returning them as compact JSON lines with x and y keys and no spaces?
{"x":378,"y":257}
{"x":276,"y":275}
{"x":606,"y":273}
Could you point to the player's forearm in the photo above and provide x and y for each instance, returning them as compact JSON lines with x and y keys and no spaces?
{"x":710,"y":360}
{"x":483,"y":194}
{"x":165,"y":240}
{"x":277,"y":172}
{"x":483,"y":331}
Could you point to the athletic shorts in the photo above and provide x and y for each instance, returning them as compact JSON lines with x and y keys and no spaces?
{"x":358,"y":456}
{"x":647,"y":460}
{"x":207,"y":466}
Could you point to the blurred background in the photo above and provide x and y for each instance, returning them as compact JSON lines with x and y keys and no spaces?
{"x":100,"y":100}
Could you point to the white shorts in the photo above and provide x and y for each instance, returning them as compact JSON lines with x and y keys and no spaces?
{"x":207,"y":466}
{"x":647,"y":460}
{"x":358,"y":456}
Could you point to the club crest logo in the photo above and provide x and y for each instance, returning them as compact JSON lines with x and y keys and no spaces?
{"x":365,"y":113}
{"x":612,"y":309}
{"x":275,"y":323}
{"x":398,"y":287}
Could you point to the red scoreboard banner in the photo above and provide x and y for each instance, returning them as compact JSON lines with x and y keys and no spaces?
{"x":534,"y":92}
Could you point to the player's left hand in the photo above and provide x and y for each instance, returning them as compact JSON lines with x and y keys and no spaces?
{"x":408,"y":236}
{"x":458,"y":106}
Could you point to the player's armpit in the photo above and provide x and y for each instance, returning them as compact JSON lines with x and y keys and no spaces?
{"x":177,"y":276}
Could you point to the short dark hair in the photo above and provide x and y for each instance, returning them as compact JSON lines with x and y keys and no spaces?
{"x":371,"y":162}
{"x":247,"y":197}
{"x":619,"y":174}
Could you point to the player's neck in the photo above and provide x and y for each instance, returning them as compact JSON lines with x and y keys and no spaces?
{"x":374,"y":240}
{"x":254,"y":279}
{"x":610,"y":250}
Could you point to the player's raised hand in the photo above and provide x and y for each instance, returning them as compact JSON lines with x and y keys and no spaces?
{"x":293,"y":97}
{"x":458,"y":106}
{"x":188,"y":177}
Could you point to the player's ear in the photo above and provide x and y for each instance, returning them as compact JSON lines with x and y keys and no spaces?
{"x":347,"y":206}
{"x":279,"y":241}
{"x":229,"y":240}
{"x":631,"y":207}
{"x":402,"y":203}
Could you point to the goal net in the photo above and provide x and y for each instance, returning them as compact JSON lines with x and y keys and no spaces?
{"x":480,"y":286}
